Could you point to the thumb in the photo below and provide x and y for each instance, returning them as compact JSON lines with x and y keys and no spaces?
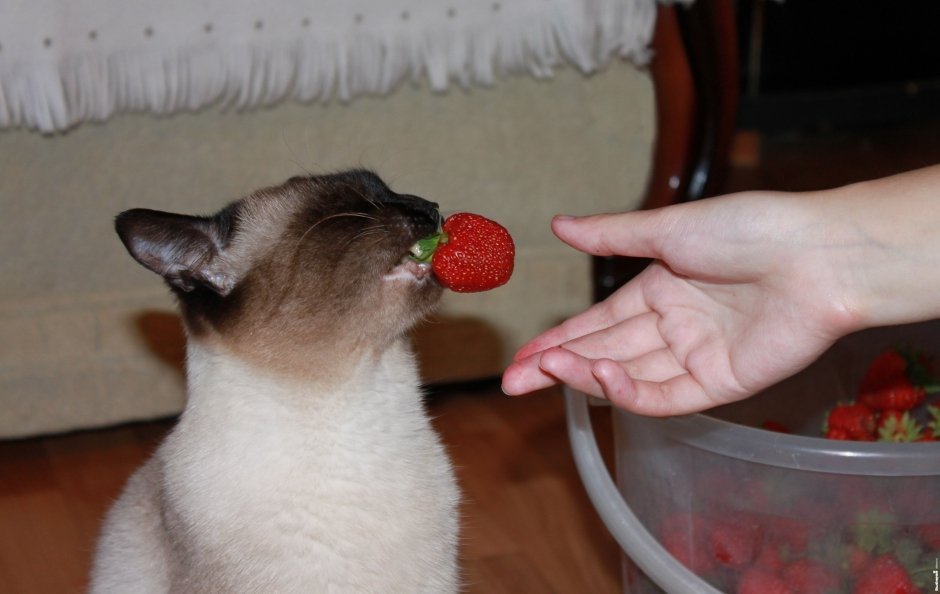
{"x":636,"y":233}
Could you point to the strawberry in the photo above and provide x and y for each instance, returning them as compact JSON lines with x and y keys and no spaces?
{"x":886,"y":367}
{"x":853,"y":421}
{"x":895,"y":380}
{"x":470,"y":254}
{"x":897,"y":426}
{"x":682,"y":536}
{"x":771,"y":425}
{"x":884,"y":576}
{"x":837,"y":433}
{"x":806,"y":576}
{"x":855,"y":559}
{"x":930,"y":535}
{"x":756,"y":580}
{"x":734,"y":541}
{"x":771,"y":557}
{"x":785,"y":539}
{"x":789,"y":534}
{"x":899,"y":394}
{"x":889,"y":416}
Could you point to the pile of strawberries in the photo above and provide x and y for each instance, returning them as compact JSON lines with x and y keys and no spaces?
{"x":864,"y":551}
{"x":831,"y":534}
{"x":892,"y":402}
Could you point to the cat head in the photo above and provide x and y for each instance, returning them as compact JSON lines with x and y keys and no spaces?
{"x":293,"y":273}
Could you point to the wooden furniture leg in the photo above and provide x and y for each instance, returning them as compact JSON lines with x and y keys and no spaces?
{"x":695,"y":76}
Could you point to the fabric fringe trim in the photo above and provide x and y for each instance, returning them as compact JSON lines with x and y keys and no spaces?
{"x":55,"y":95}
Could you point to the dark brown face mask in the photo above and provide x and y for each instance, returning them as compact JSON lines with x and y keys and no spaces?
{"x":292,"y":268}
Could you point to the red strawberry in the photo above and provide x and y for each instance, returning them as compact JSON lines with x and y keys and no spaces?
{"x":900,"y":394}
{"x":734,"y":541}
{"x":473,"y":254}
{"x":897,"y":426}
{"x":771,"y":557}
{"x":789,"y":534}
{"x":888,"y":415}
{"x":855,"y":559}
{"x":930,"y":535}
{"x":886,"y":367}
{"x":771,"y":425}
{"x":837,"y":433}
{"x":756,"y":580}
{"x":683,"y":535}
{"x":806,"y":576}
{"x":884,"y":576}
{"x":856,"y":420}
{"x":888,"y":383}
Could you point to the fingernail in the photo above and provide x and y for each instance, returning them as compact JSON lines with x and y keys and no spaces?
{"x":564,"y":218}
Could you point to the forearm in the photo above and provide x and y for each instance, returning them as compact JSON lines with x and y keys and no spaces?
{"x":883,"y":241}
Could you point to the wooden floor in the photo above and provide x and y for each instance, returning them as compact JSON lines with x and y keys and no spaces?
{"x":527,"y":524}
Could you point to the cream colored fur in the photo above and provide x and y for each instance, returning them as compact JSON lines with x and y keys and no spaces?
{"x":271,"y":485}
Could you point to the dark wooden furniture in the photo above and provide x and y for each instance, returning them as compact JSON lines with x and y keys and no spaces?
{"x":695,"y":76}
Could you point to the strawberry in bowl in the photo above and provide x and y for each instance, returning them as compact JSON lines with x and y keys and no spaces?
{"x":469,"y":254}
{"x":892,"y":402}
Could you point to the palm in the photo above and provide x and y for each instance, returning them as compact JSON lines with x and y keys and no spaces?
{"x":700,"y":327}
{"x":725,"y":339}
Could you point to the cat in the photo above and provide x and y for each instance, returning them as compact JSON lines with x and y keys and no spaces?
{"x":304,"y":460}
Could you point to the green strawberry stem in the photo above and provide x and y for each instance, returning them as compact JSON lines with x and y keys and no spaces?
{"x":423,"y":250}
{"x":933,"y":425}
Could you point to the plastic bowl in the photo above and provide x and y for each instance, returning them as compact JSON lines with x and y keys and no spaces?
{"x":709,"y":502}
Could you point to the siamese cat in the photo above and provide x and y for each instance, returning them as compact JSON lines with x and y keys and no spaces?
{"x":304,"y":460}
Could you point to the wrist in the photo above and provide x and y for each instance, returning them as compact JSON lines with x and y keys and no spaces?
{"x":883,"y":243}
{"x":827,"y":258}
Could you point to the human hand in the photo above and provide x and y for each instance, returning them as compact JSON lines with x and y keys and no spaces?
{"x":745,"y":290}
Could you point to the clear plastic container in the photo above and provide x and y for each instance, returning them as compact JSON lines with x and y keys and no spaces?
{"x":735,"y":502}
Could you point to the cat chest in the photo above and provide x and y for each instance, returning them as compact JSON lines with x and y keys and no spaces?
{"x":305,"y":484}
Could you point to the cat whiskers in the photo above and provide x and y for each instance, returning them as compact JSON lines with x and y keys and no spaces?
{"x":334,"y":216}
{"x":366,"y":232}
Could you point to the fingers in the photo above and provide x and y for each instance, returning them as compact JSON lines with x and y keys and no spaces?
{"x":636,"y":340}
{"x":621,"y":341}
{"x":605,"y":378}
{"x":636,"y":233}
{"x":676,"y":396}
{"x":625,"y":303}
{"x":592,"y":319}
{"x":571,"y":369}
{"x":525,"y":376}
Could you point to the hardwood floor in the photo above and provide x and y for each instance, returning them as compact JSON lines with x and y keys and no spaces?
{"x":528,"y":526}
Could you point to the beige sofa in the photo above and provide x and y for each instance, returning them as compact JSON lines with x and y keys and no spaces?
{"x":89,"y":338}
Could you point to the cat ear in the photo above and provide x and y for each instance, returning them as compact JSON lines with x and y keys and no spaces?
{"x":186,"y":251}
